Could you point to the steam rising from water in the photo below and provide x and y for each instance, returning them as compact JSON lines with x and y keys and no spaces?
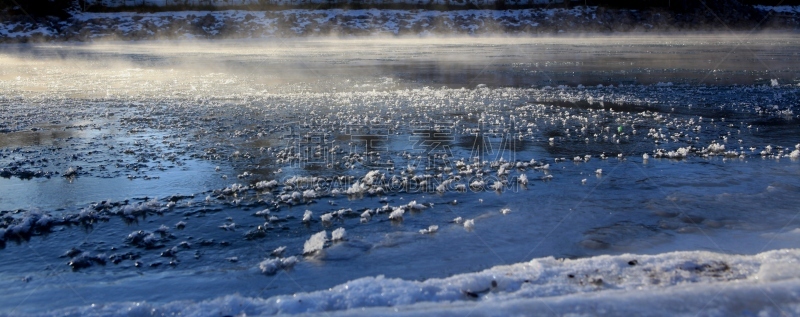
{"x":188,"y":68}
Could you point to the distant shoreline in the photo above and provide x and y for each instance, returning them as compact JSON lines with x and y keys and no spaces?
{"x":244,"y":24}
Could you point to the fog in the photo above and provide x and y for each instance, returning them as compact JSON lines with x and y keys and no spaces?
{"x":166,"y":68}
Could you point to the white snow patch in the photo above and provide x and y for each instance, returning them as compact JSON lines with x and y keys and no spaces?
{"x":326,"y":217}
{"x":397,"y":214}
{"x":271,"y":266}
{"x":676,"y":283}
{"x":469,"y":224}
{"x":316,"y":242}
{"x":338,"y":234}
{"x":430,"y":229}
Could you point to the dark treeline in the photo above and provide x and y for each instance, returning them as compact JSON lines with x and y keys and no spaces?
{"x":60,"y":8}
{"x":38,"y":8}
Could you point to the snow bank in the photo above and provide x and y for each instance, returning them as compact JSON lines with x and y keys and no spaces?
{"x":677,"y":283}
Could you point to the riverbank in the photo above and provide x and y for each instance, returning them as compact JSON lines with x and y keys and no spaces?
{"x":87,"y":27}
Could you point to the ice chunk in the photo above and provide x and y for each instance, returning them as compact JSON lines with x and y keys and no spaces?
{"x":716,"y":148}
{"x":477,"y":184}
{"x":414,"y":205}
{"x":70,"y":172}
{"x":497,"y":186}
{"x":266,"y":185}
{"x":327,"y":217}
{"x":316,"y":242}
{"x":279,"y":250}
{"x":309,"y":194}
{"x":469,"y":224}
{"x":522,"y":179}
{"x":338,"y":234}
{"x":269,"y":266}
{"x":397,"y":214}
{"x":272,"y":266}
{"x":371,"y":177}
{"x":296,"y":195}
{"x":356,"y":188}
{"x":430,"y":229}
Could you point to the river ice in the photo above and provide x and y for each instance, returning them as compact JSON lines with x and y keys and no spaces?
{"x":236,"y":178}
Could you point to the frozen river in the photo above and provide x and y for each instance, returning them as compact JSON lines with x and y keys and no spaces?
{"x":158,"y":178}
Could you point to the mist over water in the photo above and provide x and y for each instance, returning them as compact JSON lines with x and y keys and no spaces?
{"x":197,"y":68}
{"x":152,"y":160}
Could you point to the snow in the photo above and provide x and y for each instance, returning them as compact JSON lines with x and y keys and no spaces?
{"x":668,"y":284}
{"x":307,"y":216}
{"x":431,"y":229}
{"x":497,"y":186}
{"x":271,"y":266}
{"x":523,"y":179}
{"x":326,"y":217}
{"x":315,"y":243}
{"x":278,"y":251}
{"x":414,"y":205}
{"x":356,"y":189}
{"x":397,"y":214}
{"x":477,"y":184}
{"x":372,"y":177}
{"x":780,"y":9}
{"x":338,"y":234}
{"x":309,"y":194}
{"x":716,"y":148}
{"x":469,"y":224}
{"x":266,"y":185}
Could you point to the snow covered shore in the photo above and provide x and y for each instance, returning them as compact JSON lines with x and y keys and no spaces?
{"x":339,"y":22}
{"x":669,"y":284}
